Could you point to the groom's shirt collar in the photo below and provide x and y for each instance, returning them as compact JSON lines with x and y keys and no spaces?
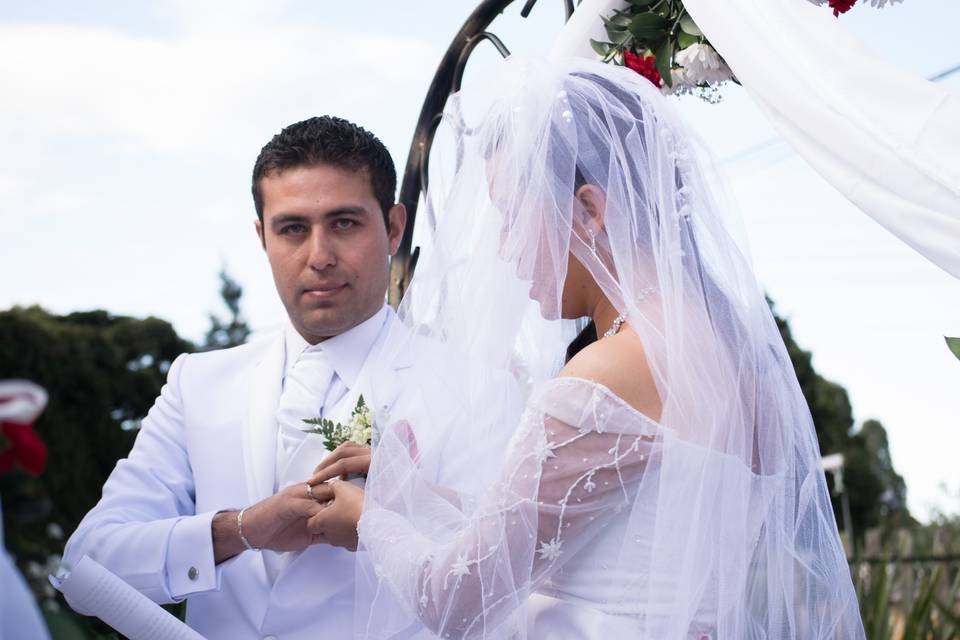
{"x":346,"y":351}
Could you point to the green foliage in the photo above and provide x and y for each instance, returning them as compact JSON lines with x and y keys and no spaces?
{"x":877,"y":493}
{"x":102,"y":373}
{"x":659,"y":27}
{"x":335,"y":433}
{"x":954,"y":345}
{"x":234,"y":331}
{"x":329,"y":429}
{"x":908,"y":580}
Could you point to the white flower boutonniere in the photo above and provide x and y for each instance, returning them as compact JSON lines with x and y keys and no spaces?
{"x":358,"y":429}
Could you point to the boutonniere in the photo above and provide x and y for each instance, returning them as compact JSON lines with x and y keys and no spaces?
{"x":358,"y":429}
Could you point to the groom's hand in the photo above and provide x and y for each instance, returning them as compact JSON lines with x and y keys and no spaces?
{"x":336,"y":524}
{"x":278,"y":523}
{"x":348,"y":458}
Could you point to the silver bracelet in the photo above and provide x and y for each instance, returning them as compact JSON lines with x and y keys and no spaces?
{"x":243,"y":539}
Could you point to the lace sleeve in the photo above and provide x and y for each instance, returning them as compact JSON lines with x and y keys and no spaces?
{"x":578,"y":453}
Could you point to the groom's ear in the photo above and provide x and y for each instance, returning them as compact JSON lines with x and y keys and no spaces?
{"x":396,"y":222}
{"x":259,"y":227}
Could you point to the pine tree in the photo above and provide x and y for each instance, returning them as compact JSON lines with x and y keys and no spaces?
{"x":234,"y":331}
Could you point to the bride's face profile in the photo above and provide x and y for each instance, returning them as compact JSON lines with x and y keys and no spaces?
{"x":531,"y":247}
{"x":581,"y":293}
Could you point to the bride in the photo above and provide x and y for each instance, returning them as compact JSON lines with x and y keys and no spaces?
{"x":662,"y":477}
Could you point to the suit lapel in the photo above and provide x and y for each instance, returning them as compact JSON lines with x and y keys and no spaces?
{"x":260,"y":428}
{"x":311,"y":451}
{"x":378,"y":385}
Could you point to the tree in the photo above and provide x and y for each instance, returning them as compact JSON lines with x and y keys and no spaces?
{"x":232,"y":332}
{"x":877,"y":493}
{"x":893,"y":500}
{"x":102,"y":372}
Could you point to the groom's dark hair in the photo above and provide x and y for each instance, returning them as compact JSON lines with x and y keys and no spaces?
{"x":333,"y":141}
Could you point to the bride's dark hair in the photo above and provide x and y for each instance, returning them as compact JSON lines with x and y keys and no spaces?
{"x":718,"y":305}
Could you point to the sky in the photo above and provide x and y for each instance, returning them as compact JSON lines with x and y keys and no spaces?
{"x":129,"y":131}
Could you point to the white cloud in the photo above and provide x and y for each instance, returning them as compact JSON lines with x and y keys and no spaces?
{"x":214,"y":85}
{"x":23,"y":200}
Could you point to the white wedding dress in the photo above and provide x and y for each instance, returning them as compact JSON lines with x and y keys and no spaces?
{"x":710,"y":520}
{"x":596,"y":521}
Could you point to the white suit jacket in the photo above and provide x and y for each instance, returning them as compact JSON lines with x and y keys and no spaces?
{"x":209,"y":444}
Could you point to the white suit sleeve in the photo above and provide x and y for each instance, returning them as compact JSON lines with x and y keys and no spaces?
{"x":145,"y":528}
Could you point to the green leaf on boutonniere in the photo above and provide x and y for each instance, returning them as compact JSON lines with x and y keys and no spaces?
{"x":359,"y":429}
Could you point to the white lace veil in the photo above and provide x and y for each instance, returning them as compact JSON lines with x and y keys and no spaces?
{"x":713,"y":518}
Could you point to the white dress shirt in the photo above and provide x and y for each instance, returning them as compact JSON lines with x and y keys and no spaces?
{"x":345,"y":353}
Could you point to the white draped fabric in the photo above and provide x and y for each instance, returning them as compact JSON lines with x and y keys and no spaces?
{"x":887,"y":140}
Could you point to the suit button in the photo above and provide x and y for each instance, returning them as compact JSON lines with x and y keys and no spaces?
{"x":193,"y":573}
{"x":270,"y":638}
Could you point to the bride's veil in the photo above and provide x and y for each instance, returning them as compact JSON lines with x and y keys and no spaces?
{"x":728,"y":529}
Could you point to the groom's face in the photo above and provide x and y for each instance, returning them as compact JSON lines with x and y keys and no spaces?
{"x":328,"y":246}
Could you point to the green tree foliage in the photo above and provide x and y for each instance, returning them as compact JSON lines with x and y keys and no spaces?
{"x":102,"y":372}
{"x":233,"y":331}
{"x":877,"y":493}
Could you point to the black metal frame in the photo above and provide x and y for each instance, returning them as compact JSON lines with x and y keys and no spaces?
{"x":446,"y":80}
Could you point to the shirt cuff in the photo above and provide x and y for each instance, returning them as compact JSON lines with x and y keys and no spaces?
{"x":190,"y":562}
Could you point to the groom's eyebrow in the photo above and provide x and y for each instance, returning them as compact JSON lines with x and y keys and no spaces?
{"x":345,"y":211}
{"x":286,"y":218}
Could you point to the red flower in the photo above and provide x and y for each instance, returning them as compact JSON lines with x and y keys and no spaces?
{"x":647,"y":66}
{"x":841,"y":6}
{"x":26,"y":448}
{"x":20,"y":404}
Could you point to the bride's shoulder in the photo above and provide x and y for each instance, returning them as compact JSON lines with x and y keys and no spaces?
{"x":619,"y":363}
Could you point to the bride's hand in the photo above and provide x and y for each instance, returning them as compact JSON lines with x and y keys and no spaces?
{"x":337,"y":524}
{"x":348,"y":458}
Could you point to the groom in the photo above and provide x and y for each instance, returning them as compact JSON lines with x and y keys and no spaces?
{"x":226,"y":433}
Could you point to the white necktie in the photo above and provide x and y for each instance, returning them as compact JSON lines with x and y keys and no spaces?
{"x":304,"y":390}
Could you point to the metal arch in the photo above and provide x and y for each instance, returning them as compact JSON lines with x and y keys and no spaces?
{"x":567,"y":6}
{"x":446,"y":80}
{"x":458,"y":70}
{"x":468,"y":48}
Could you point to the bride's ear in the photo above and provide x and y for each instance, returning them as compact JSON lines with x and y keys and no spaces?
{"x":594,"y":202}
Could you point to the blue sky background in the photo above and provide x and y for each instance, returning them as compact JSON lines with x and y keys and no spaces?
{"x":129,"y":131}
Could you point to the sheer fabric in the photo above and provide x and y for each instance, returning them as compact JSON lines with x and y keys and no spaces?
{"x":887,"y":140}
{"x":711,"y":519}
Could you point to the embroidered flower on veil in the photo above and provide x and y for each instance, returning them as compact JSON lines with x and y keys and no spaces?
{"x":550,"y":551}
{"x":461,"y":567}
{"x":545,"y":451}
